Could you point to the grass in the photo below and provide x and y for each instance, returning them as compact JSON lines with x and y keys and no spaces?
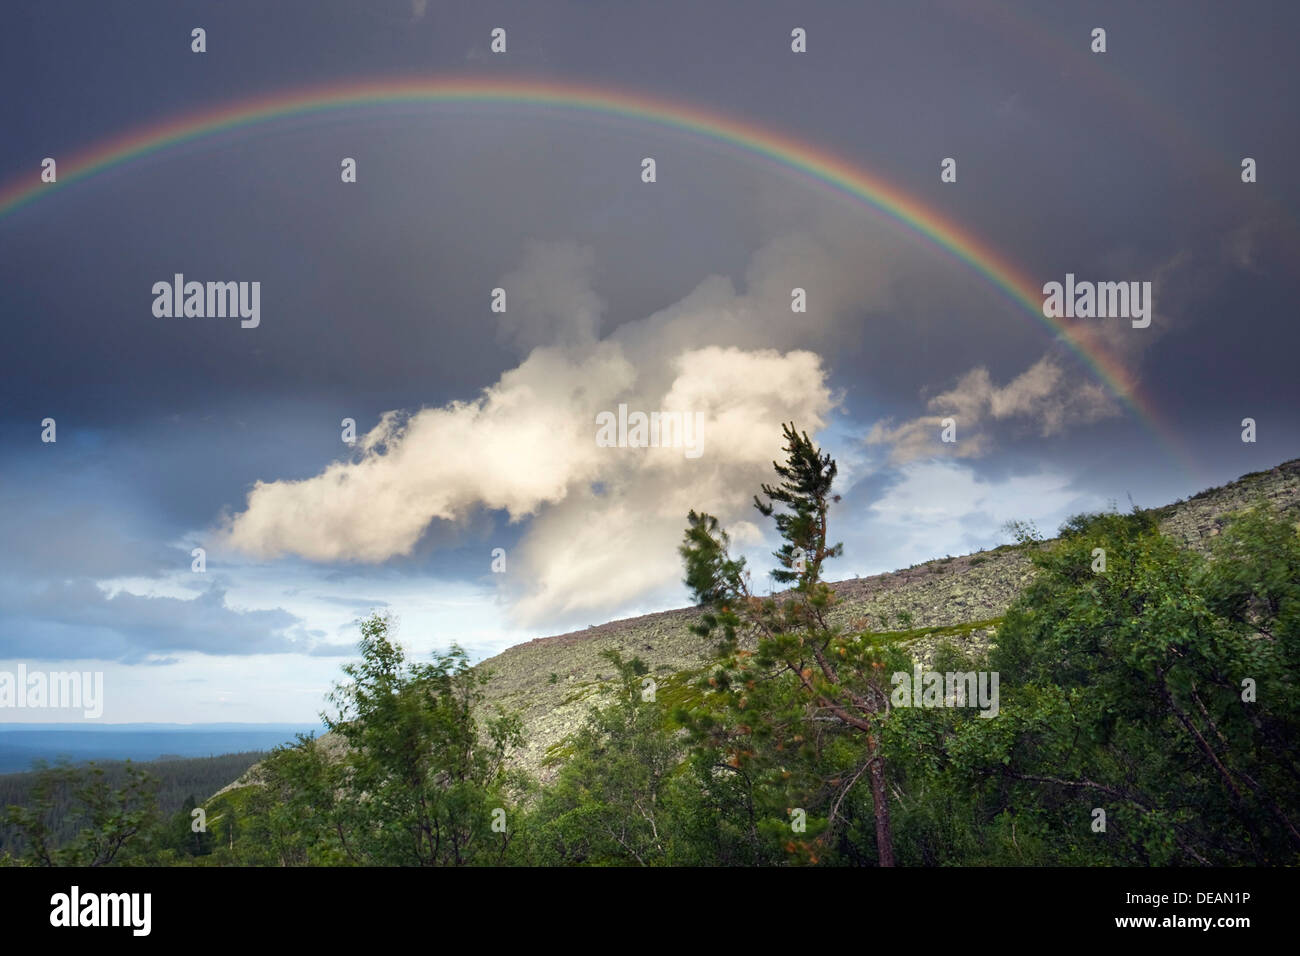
{"x":950,"y":630}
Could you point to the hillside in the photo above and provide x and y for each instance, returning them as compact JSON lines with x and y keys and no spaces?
{"x":551,"y":682}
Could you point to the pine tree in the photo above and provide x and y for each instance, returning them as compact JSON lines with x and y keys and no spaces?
{"x":826,"y":676}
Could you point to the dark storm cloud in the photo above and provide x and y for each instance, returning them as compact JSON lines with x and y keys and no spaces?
{"x":380,"y":290}
{"x":74,"y":535}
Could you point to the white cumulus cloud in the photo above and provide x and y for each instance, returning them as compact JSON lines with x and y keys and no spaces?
{"x":602,"y":524}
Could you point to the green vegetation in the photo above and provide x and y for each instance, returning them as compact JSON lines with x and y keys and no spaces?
{"x":49,"y":802}
{"x":1159,"y":691}
{"x":616,"y":799}
{"x":422,"y":781}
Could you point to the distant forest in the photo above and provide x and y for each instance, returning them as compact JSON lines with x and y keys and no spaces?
{"x":178,"y":780}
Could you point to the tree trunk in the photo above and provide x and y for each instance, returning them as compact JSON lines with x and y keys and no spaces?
{"x":880,"y":800}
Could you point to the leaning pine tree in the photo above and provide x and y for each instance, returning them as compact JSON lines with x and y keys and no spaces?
{"x":786,"y":675}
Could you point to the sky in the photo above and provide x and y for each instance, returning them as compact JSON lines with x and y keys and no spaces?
{"x":477,"y":504}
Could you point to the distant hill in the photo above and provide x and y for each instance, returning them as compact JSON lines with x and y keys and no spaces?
{"x":552,"y":681}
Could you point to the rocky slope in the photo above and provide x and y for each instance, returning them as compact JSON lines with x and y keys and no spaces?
{"x":553,"y":681}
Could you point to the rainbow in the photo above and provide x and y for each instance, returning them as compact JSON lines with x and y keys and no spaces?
{"x":809,"y":162}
